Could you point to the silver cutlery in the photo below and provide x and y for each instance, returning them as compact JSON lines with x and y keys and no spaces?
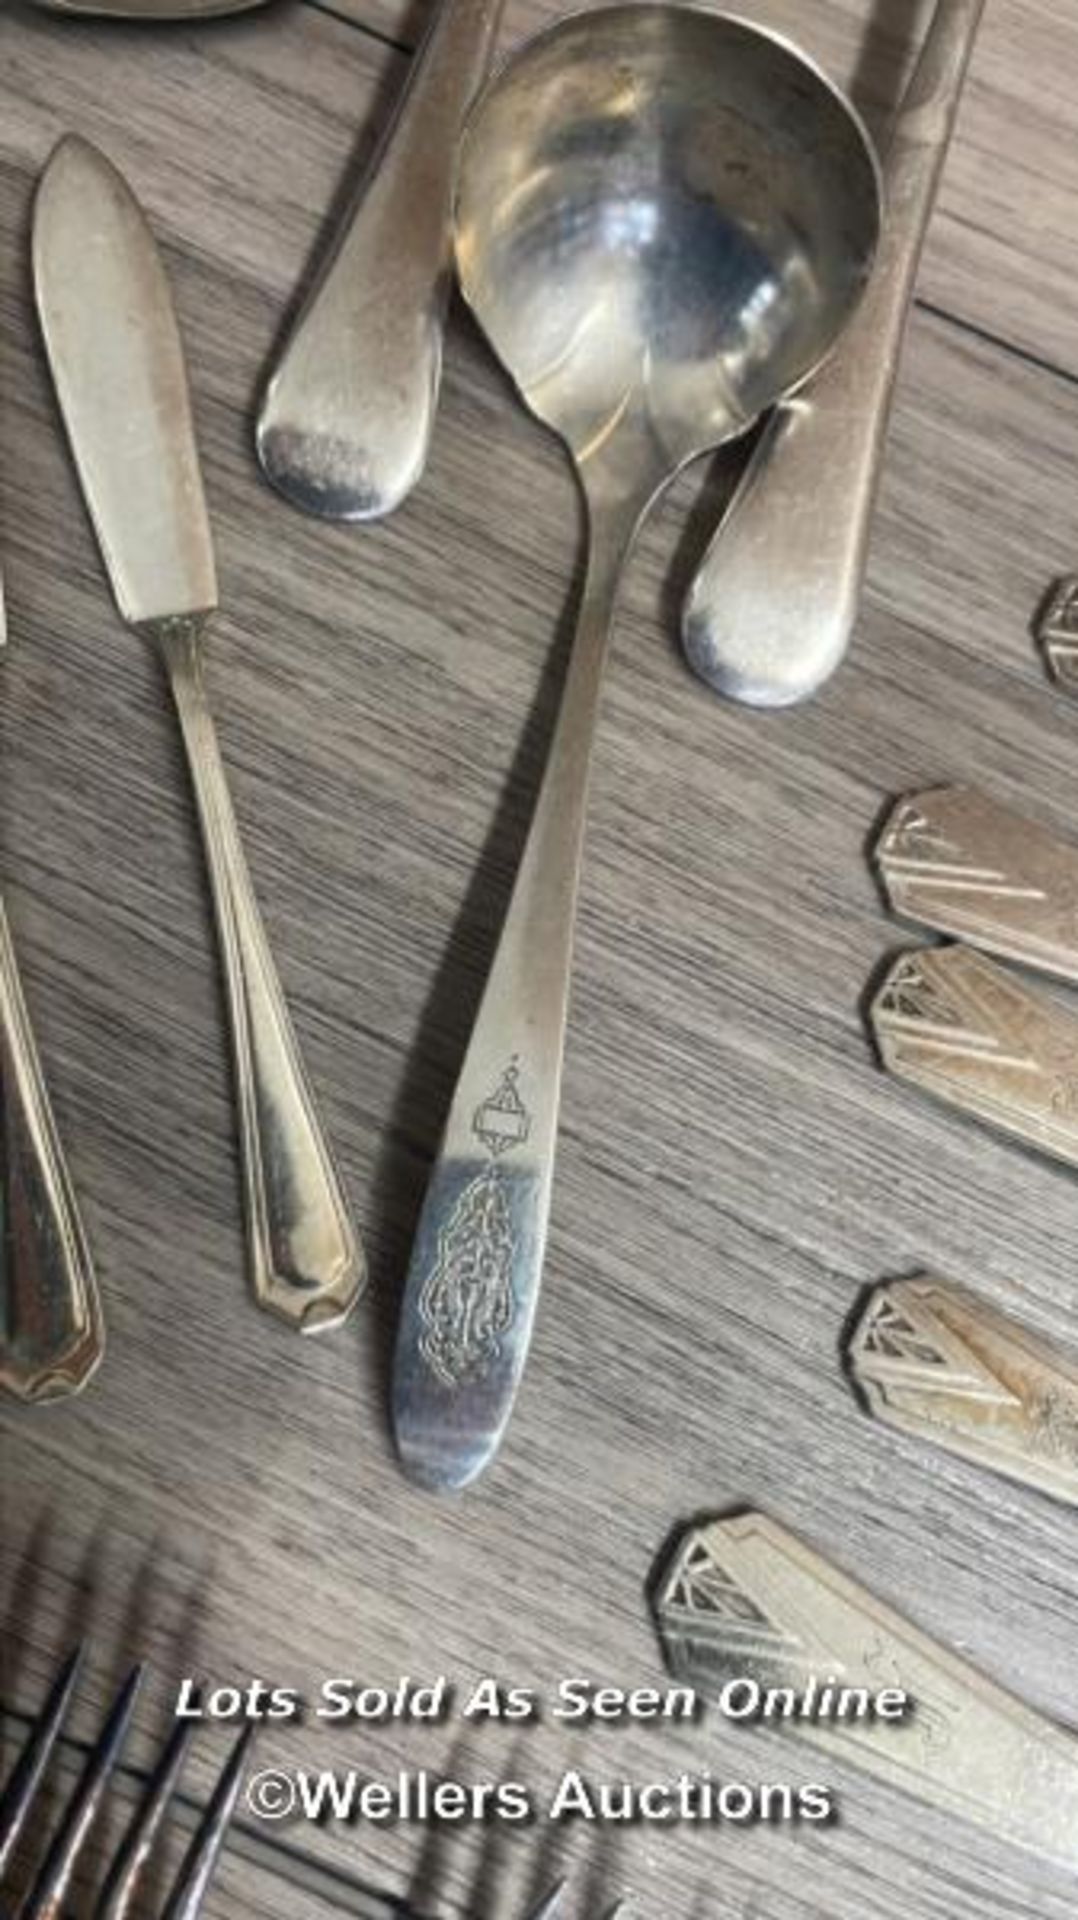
{"x":1057,"y":631}
{"x":117,"y":361}
{"x":347,"y":416}
{"x":955,"y":860}
{"x":646,"y":195}
{"x":51,"y":1328}
{"x":933,"y":1362}
{"x":746,"y":1603}
{"x":771,"y":611}
{"x":68,"y":1845}
{"x":953,"y":1024}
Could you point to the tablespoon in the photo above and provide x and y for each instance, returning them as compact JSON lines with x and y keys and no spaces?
{"x":771,"y":611}
{"x":664,"y":218}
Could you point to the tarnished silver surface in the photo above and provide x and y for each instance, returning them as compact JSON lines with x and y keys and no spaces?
{"x":770,"y":614}
{"x":117,"y":361}
{"x":941,"y":1365}
{"x":346,"y":420}
{"x":28,"y":1809}
{"x":743,"y":1598}
{"x":956,"y":1025}
{"x":955,"y":860}
{"x":52,"y":1334}
{"x":664,"y":218}
{"x":1057,"y":631}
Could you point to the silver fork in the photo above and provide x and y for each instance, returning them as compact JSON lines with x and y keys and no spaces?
{"x":48,"y":1895}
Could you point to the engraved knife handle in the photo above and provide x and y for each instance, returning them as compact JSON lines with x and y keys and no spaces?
{"x":307,"y":1265}
{"x":772,"y":608}
{"x":743,"y":1599}
{"x":955,"y":860}
{"x":51,"y":1330}
{"x":474,"y":1275}
{"x":349,"y":409}
{"x":934,"y":1362}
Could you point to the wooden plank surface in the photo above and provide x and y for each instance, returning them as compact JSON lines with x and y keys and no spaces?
{"x":733,"y":1168}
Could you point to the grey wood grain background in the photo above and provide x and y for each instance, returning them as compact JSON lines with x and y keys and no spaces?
{"x":733,"y":1168}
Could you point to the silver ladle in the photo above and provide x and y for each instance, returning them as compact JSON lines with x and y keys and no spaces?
{"x":665,"y":216}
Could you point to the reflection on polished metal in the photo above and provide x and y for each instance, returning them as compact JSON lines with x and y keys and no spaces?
{"x":1058,"y":633}
{"x":664,"y":218}
{"x":745,"y":1601}
{"x":771,"y":612}
{"x":942,"y":1366}
{"x":116,"y":357}
{"x":149,"y":9}
{"x":959,"y":1027}
{"x":955,"y":860}
{"x":51,"y":1330}
{"x":347,"y":417}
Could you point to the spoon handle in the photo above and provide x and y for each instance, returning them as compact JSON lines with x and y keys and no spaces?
{"x":349,"y":410}
{"x":51,"y":1333}
{"x":307,"y":1266}
{"x":473,"y":1280}
{"x":771,"y":611}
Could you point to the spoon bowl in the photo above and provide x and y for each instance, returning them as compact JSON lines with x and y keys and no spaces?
{"x":664,"y":218}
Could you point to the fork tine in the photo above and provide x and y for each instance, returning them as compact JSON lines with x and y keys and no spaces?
{"x":26,"y":1775}
{"x":192,"y":1884}
{"x":50,"y":1889}
{"x":550,"y":1904}
{"x":121,"y":1883}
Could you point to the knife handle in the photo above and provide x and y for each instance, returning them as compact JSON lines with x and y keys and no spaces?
{"x":51,"y":1332}
{"x":306,"y":1262}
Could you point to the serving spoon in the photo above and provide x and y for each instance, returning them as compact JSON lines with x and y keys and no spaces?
{"x":664,"y":218}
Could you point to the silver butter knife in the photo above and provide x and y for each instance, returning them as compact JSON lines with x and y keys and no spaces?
{"x":770,"y":614}
{"x":957,"y":861}
{"x":936,"y":1363}
{"x":117,"y":361}
{"x":745,"y":1602}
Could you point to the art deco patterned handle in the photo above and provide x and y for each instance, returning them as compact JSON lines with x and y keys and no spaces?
{"x":938,"y":1364}
{"x":51,"y":1333}
{"x":957,"y":861}
{"x":306,"y":1262}
{"x":957,"y":1026}
{"x":744,"y":1598}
